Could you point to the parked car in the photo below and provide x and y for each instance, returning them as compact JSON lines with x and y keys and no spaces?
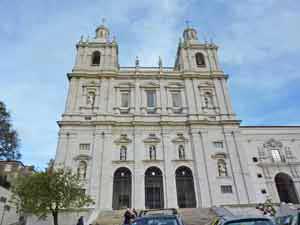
{"x":158,"y":217}
{"x":243,"y":220}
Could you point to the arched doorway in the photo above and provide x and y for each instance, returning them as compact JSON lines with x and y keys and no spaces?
{"x":286,"y":188}
{"x":122,"y":189}
{"x":154,"y":191}
{"x":185,"y":188}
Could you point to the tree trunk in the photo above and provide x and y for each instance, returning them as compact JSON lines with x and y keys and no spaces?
{"x":55,"y":217}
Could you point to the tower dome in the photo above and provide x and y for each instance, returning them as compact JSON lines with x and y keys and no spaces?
{"x":190,"y":34}
{"x":102,"y":33}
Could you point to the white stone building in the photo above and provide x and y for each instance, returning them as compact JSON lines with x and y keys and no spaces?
{"x":168,"y":137}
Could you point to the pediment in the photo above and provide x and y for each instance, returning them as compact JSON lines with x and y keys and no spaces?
{"x":91,"y":83}
{"x":123,"y":139}
{"x":150,"y":85}
{"x":272,"y":144}
{"x":125,"y":85}
{"x":151,"y":139}
{"x":82,"y":157}
{"x":180,"y":139}
{"x":175,"y":85}
{"x":219,"y":155}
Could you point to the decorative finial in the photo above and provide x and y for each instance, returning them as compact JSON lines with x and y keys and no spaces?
{"x":103,"y":21}
{"x":114,"y":39}
{"x":137,"y":61}
{"x":81,"y":38}
{"x":159,"y":62}
{"x":187,"y":22}
{"x":211,"y":40}
{"x":88,"y":38}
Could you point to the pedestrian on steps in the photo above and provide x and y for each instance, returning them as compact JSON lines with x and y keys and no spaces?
{"x":80,"y":221}
{"x":128,"y":216}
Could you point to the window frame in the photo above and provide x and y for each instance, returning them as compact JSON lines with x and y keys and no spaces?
{"x":123,"y":153}
{"x":200,"y":57}
{"x":122,"y":94}
{"x":148,"y":97}
{"x":98,"y":58}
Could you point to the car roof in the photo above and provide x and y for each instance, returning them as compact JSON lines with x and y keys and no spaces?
{"x":158,"y":215}
{"x":233,"y":218}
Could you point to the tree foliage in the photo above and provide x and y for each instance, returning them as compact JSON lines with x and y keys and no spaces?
{"x":8,"y":136}
{"x":49,"y":192}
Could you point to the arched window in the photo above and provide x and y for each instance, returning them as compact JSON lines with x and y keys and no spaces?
{"x":181,"y":152}
{"x":200,"y":61}
{"x":222,"y":168}
{"x":123,"y":153}
{"x":81,"y":170}
{"x":152,"y":152}
{"x":96,"y":58}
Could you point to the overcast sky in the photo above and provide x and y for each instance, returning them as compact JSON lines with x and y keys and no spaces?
{"x":259,"y":44}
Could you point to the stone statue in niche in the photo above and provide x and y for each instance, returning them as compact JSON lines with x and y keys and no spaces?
{"x":208,"y":101}
{"x":90,"y":98}
{"x":222,"y":168}
{"x":81,"y":171}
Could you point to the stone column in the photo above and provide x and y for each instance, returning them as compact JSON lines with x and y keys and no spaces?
{"x":62,"y":148}
{"x":236,"y":169}
{"x":205,"y":194}
{"x":107,"y":174}
{"x":226,"y":96}
{"x":96,"y":167}
{"x":171,"y":194}
{"x":139,"y":180}
{"x":190,"y":96}
{"x":163,"y":96}
{"x":220,"y":96}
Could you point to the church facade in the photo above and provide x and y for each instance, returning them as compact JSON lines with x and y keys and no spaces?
{"x":157,"y":137}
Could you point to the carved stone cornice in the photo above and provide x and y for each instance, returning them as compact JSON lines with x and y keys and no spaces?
{"x":82,"y":157}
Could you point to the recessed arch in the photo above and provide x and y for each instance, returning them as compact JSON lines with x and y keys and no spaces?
{"x":200,"y":59}
{"x":154,"y":192}
{"x":122,"y":188}
{"x":286,"y":188}
{"x":96,"y":57}
{"x":186,"y":197}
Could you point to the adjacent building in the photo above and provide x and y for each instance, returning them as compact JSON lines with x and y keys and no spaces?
{"x":155,"y":137}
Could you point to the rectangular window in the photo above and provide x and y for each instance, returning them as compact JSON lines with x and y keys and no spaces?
{"x":151,"y":98}
{"x":218,"y":144}
{"x":84,"y":147}
{"x":276,"y":155}
{"x":226,"y":189}
{"x":176,"y":99}
{"x":124,"y":99}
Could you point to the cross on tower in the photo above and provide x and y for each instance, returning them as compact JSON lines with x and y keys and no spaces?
{"x":187,"y":22}
{"x":103,"y":21}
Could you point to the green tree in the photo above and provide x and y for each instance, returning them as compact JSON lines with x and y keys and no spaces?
{"x":49,"y":192}
{"x":8,"y":136}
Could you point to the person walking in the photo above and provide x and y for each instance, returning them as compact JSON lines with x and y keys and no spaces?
{"x":80,"y":221}
{"x":127,"y":217}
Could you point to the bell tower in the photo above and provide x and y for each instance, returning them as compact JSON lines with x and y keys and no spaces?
{"x":97,"y":54}
{"x":195,"y":56}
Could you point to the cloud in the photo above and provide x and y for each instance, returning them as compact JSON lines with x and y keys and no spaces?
{"x":258,"y":40}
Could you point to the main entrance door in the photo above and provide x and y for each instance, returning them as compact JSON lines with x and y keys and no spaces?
{"x":154,"y":192}
{"x":122,"y":189}
{"x":185,"y":188}
{"x":286,"y":188}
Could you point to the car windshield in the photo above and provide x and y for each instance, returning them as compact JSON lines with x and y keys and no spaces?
{"x":156,"y":221}
{"x":254,"y":221}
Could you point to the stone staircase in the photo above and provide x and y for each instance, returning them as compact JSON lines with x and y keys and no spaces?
{"x":191,"y":216}
{"x":197,"y":216}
